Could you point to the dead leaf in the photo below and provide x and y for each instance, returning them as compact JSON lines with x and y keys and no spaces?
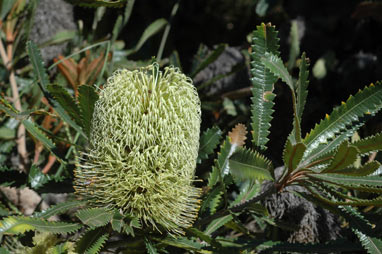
{"x":238,"y":135}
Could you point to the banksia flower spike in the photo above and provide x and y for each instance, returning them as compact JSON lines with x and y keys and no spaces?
{"x":144,"y":143}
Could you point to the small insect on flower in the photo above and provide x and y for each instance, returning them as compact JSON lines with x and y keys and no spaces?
{"x":146,"y":165}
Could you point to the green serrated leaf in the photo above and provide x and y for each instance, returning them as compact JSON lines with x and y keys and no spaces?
{"x":66,"y":101}
{"x":293,"y":154}
{"x":302,"y":86}
{"x":87,"y":98}
{"x":365,"y":102}
{"x":356,"y":220}
{"x":89,"y":239}
{"x":42,"y":78}
{"x":59,"y":209}
{"x":332,"y":200}
{"x":226,"y":150}
{"x":31,"y":127}
{"x":97,"y":245}
{"x":217,"y":223}
{"x":19,"y":225}
{"x":150,"y":247}
{"x":345,"y":156}
{"x":37,"y":63}
{"x":367,"y":169}
{"x":339,"y":198}
{"x":369,"y":144}
{"x":349,"y":181}
{"x":212,"y":200}
{"x":208,"y":142}
{"x":264,"y":40}
{"x":248,"y":165}
{"x":373,"y":245}
{"x":117,"y":222}
{"x":36,"y":178}
{"x":95,"y":217}
{"x":202,"y":236}
{"x":274,"y":63}
{"x":34,"y":130}
{"x":249,"y":191}
{"x":276,"y":66}
{"x":183,"y":243}
{"x":294,"y":50}
{"x":214,"y":176}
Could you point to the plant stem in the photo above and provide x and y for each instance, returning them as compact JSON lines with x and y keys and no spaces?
{"x":21,"y":137}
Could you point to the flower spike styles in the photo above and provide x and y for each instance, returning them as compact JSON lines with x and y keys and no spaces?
{"x":144,"y":144}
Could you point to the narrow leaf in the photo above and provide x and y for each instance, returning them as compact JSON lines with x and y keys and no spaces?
{"x":357,"y":220}
{"x":248,"y":165}
{"x":87,"y":98}
{"x":276,"y":66}
{"x":208,"y":142}
{"x":34,"y":130}
{"x":302,"y":85}
{"x":365,"y":102}
{"x":59,"y":209}
{"x":150,"y":247}
{"x":214,"y":176}
{"x":293,"y":154}
{"x":89,"y":239}
{"x":66,"y":101}
{"x":183,"y":243}
{"x":36,"y":178}
{"x":151,"y":30}
{"x":37,"y":63}
{"x":19,"y":225}
{"x":367,"y":169}
{"x":95,"y":217}
{"x":217,"y":223}
{"x":42,"y":78}
{"x":264,"y":40}
{"x":345,"y":156}
{"x":117,"y":222}
{"x":294,"y":49}
{"x":208,"y":60}
{"x":202,"y":236}
{"x":373,"y":245}
{"x":369,"y":144}
{"x":96,"y":247}
{"x":226,"y":151}
{"x":346,"y":180}
{"x":211,"y":200}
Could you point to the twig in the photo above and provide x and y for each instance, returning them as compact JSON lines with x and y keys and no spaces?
{"x":21,"y":139}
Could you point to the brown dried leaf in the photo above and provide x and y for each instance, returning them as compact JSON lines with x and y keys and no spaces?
{"x":238,"y":135}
